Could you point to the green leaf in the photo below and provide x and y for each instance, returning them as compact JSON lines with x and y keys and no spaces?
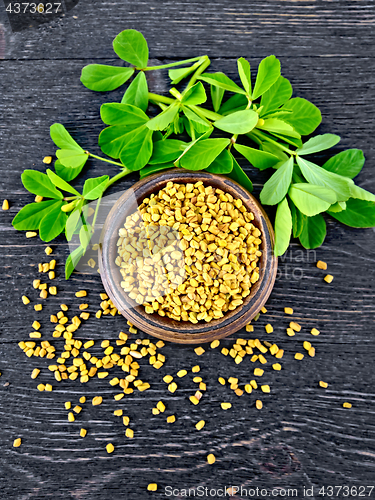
{"x":194,"y":95}
{"x":217,"y":95}
{"x":358,"y":213}
{"x":94,"y":188}
{"x":67,"y":173}
{"x":313,"y":232}
{"x":72,"y":222}
{"x":166,"y":151}
{"x":283,"y":228}
{"x":73,"y":260}
{"x":72,"y":158}
{"x":361,"y":194}
{"x":321,"y":177}
{"x":85,"y":235}
{"x":276,"y":188}
{"x":305,"y":117}
{"x":60,"y":183}
{"x":268,"y":73}
{"x":137,"y":92}
{"x":348,"y":163}
{"x":318,"y":143}
{"x":102,"y":78}
{"x":127,"y":115}
{"x":311,"y":200}
{"x":245,"y":74}
{"x":30,"y":216}
{"x":163,"y":119}
{"x":289,"y":140}
{"x":277,"y":95}
{"x":37,"y":183}
{"x":203,"y":153}
{"x":138,"y":149}
{"x":274,"y":150}
{"x":176,"y":75}
{"x":240,"y":122}
{"x":221,"y":80}
{"x":113,"y":139}
{"x":222,"y":164}
{"x":62,"y":138}
{"x":153,"y":169}
{"x":337,"y":207}
{"x":275,"y":125}
{"x":260,"y":159}
{"x":236,"y":102}
{"x":240,"y":176}
{"x":198,"y":123}
{"x":298,"y":219}
{"x":53,"y":223}
{"x":131,"y":46}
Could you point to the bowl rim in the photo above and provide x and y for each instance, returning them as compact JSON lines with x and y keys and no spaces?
{"x":164,"y":327}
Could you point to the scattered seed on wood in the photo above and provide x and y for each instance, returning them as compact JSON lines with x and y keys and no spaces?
{"x":321,"y":265}
{"x":288,"y":310}
{"x":347,"y":405}
{"x":323,"y":384}
{"x":17,"y":443}
{"x":328,"y":278}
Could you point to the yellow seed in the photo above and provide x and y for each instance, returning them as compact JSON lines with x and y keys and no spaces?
{"x":199,"y":351}
{"x":25,"y":300}
{"x":129,"y":433}
{"x":30,"y":234}
{"x":38,"y":199}
{"x":97,"y":400}
{"x":259,"y":404}
{"x":194,"y":400}
{"x":311,"y":351}
{"x":35,"y":373}
{"x":152,"y":487}
{"x":36,"y":325}
{"x":298,"y":356}
{"x":48,"y":387}
{"x":68,"y":405}
{"x":288,"y":310}
{"x":323,"y":384}
{"x":221,"y":380}
{"x":35,"y":335}
{"x":36,"y":284}
{"x":307,"y":345}
{"x":258,"y":372}
{"x":315,"y":332}
{"x":41,"y":387}
{"x":290,"y":332}
{"x":168,"y":379}
{"x":48,"y":250}
{"x":249,"y":328}
{"x":172,"y":387}
{"x":82,"y":399}
{"x":118,"y":413}
{"x":51,"y":276}
{"x":125,"y":420}
{"x":276,"y":366}
{"x":83,"y":432}
{"x":181,"y":373}
{"x":17,"y":443}
{"x":226,"y":406}
{"x":211,"y":459}
{"x":269,"y":328}
{"x":199,"y":425}
{"x":71,"y":417}
{"x":347,"y":405}
{"x":160,"y":406}
{"x":81,"y":293}
{"x":77,"y":409}
{"x":321,"y":265}
{"x":38,"y":307}
{"x":265,"y":388}
{"x":5,"y":205}
{"x":225,"y":351}
{"x":110,"y":448}
{"x":295,"y":326}
{"x":262,"y":359}
{"x":98,"y":314}
{"x":155,"y":411}
{"x":328,"y":278}
{"x":254,"y":384}
{"x":171,"y":419}
{"x":263,"y":310}
{"x":47,"y":159}
{"x":215,"y":343}
{"x":119,"y":396}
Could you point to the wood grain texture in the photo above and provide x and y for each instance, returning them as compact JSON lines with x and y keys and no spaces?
{"x":303,"y":436}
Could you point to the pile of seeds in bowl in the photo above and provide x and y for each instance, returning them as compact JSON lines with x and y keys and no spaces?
{"x":190,"y":252}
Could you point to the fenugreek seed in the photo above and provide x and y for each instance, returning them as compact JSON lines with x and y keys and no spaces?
{"x":215,"y":344}
{"x":48,"y":387}
{"x":71,"y":417}
{"x":152,"y":487}
{"x":290,"y":332}
{"x":321,"y":265}
{"x":196,"y":369}
{"x":36,"y":284}
{"x":221,"y":380}
{"x":295,"y":326}
{"x":110,"y":448}
{"x":31,"y":234}
{"x":276,"y":366}
{"x":41,"y":387}
{"x":97,"y":400}
{"x":199,"y":351}
{"x":311,"y":351}
{"x":38,"y":198}
{"x":35,"y":335}
{"x":226,"y":406}
{"x":77,"y":409}
{"x":5,"y":205}
{"x":181,"y":373}
{"x":258,"y":372}
{"x":81,"y":293}
{"x":347,"y":405}
{"x":47,"y":159}
{"x":83,"y":432}
{"x":265,"y":388}
{"x":328,"y":278}
{"x":68,"y":405}
{"x":288,"y":310}
{"x":269,"y":328}
{"x":160,"y":406}
{"x":38,"y":307}
{"x":225,"y":351}
{"x":35,"y":373}
{"x":17,"y":443}
{"x":211,"y":459}
{"x":307,"y":345}
{"x":129,"y":433}
{"x":323,"y":384}
{"x":199,"y":425}
{"x":315,"y":332}
{"x":249,"y":328}
{"x":299,"y":356}
{"x":25,"y":300}
{"x":262,"y":359}
{"x":258,"y":404}
{"x":194,"y":400}
{"x":171,"y":419}
{"x":263,"y":310}
{"x":82,"y":399}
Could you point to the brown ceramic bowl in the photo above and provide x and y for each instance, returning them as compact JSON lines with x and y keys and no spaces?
{"x":165,"y":328}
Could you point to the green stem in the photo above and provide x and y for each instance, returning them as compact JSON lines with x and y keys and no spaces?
{"x":104,"y":159}
{"x":125,"y":171}
{"x":260,"y":135}
{"x":206,"y":113}
{"x":198,"y":72}
{"x":171,"y":65}
{"x":160,"y":98}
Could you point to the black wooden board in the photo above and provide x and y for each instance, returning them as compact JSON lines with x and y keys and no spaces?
{"x":303,"y":437}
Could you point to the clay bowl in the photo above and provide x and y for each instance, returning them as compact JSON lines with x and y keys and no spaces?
{"x":164,"y":327}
